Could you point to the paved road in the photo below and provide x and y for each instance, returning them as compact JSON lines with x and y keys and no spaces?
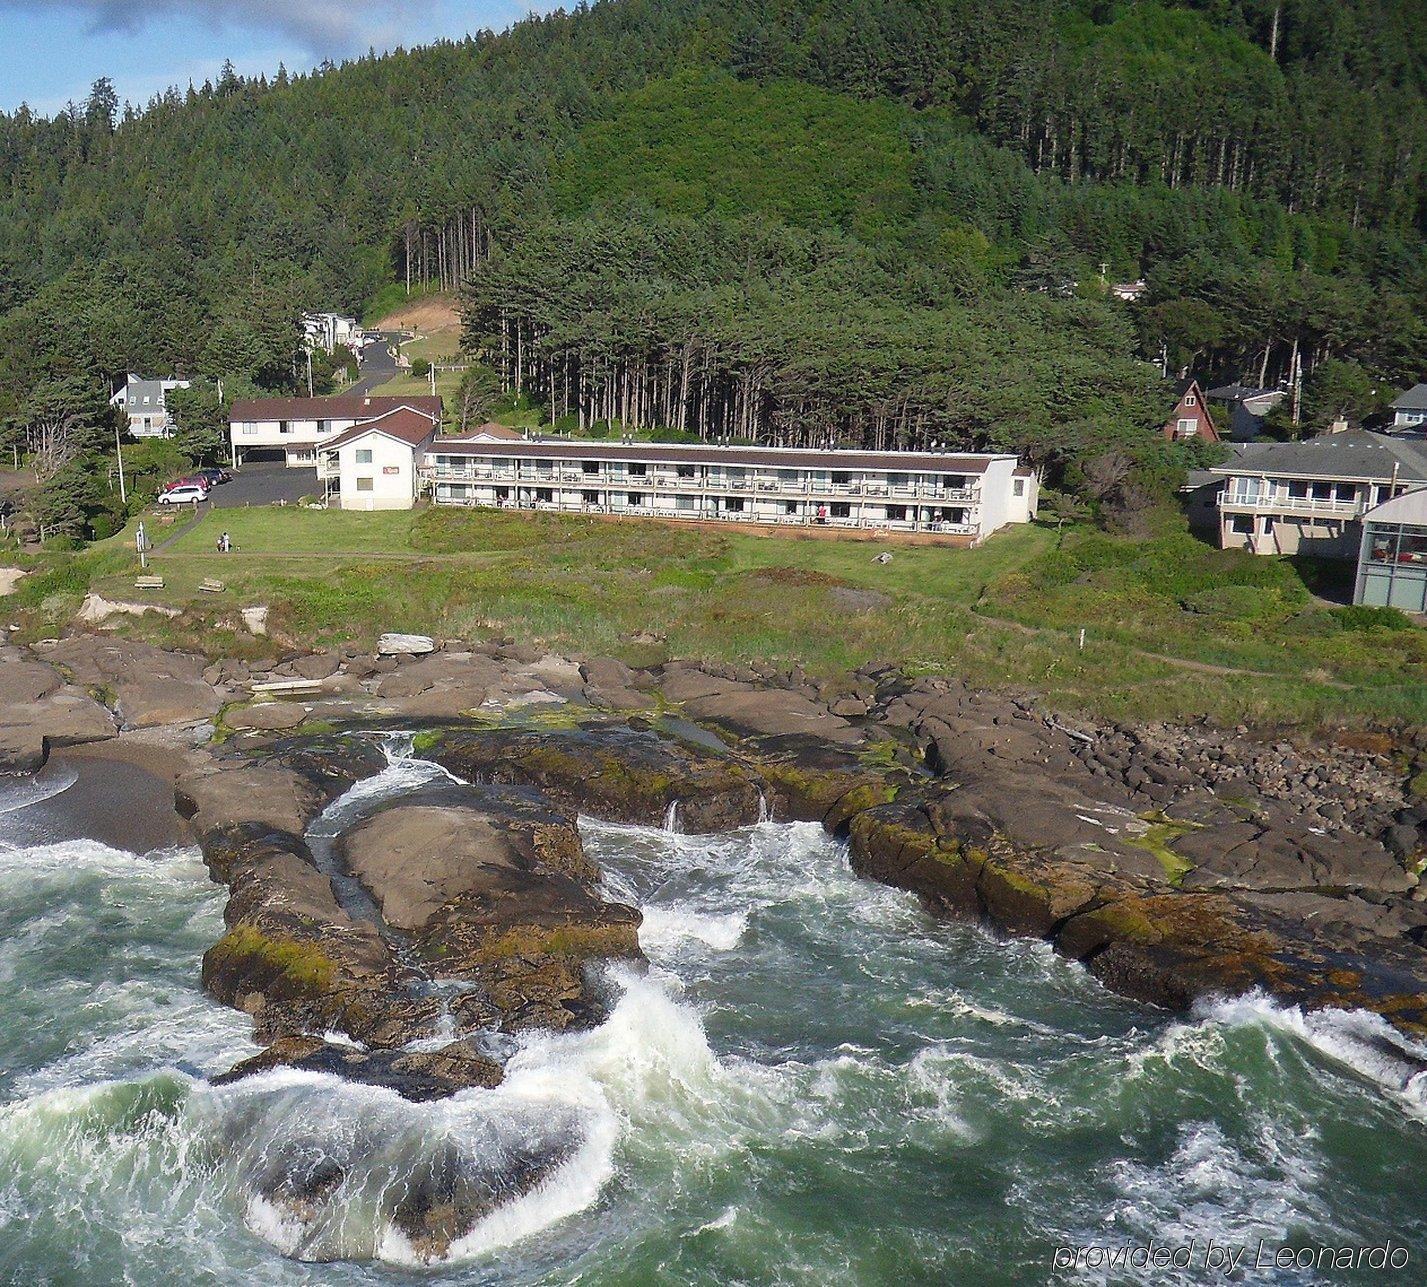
{"x":263,"y":483}
{"x":378,"y":365}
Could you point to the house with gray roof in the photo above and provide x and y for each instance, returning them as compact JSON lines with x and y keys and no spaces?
{"x":1410,"y":409}
{"x":144,"y":401}
{"x":1309,"y":497}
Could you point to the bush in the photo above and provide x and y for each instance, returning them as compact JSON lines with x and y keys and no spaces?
{"x":1359,"y":616}
{"x":1236,"y":602}
{"x":420,"y":368}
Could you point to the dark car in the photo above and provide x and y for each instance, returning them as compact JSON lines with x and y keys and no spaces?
{"x":215,"y":476}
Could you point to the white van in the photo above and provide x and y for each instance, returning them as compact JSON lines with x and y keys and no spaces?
{"x":185,"y":495}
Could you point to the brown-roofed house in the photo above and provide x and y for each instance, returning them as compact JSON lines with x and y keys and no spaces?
{"x":292,"y":430}
{"x":1190,"y":417}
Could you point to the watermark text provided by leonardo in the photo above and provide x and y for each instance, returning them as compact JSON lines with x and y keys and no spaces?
{"x":1212,"y":1256}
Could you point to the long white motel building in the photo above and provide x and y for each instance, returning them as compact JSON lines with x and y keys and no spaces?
{"x":395,"y":456}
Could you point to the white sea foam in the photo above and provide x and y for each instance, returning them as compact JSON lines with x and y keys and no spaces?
{"x":668,"y":925}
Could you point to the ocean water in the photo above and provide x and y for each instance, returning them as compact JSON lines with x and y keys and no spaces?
{"x":812,"y":1083}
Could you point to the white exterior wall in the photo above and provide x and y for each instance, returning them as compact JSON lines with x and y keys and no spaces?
{"x":390,"y":473}
{"x":300,"y":439}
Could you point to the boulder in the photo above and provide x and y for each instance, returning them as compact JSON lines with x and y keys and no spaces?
{"x":611,"y":771}
{"x":395,"y":644}
{"x":38,"y":710}
{"x":150,"y":685}
{"x":420,"y":1076}
{"x":316,"y":665}
{"x":231,"y":794}
{"x":267,"y":716}
{"x":492,"y":887}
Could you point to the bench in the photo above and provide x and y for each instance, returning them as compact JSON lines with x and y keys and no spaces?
{"x":149,"y":583}
{"x":212,"y":587}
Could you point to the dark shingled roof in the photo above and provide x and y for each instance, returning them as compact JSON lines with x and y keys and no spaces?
{"x":1357,"y":454}
{"x":343,"y":407}
{"x":403,"y":423}
{"x":1415,"y":399}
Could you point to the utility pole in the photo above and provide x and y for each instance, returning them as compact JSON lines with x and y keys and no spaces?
{"x":119,"y":451}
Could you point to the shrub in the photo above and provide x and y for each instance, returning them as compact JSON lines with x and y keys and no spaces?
{"x":420,"y":368}
{"x":1242,"y":602}
{"x":1359,"y":616}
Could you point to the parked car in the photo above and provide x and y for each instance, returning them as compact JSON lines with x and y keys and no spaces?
{"x":183,"y":494}
{"x":189,"y":480}
{"x":215,"y":477}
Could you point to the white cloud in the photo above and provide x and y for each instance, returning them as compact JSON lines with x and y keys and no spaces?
{"x":322,"y":27}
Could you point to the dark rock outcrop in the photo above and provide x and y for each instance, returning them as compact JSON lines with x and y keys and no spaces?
{"x":619,"y":773}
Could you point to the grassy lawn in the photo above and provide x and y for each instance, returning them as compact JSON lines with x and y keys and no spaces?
{"x":1173,"y":628}
{"x":404,"y":385}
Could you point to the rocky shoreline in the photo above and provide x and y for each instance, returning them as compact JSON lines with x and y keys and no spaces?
{"x":396,"y":943}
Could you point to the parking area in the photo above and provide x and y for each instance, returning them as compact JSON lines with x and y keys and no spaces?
{"x":266,"y":483}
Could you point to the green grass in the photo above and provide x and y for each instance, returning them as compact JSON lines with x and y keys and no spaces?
{"x":1005,"y":615}
{"x":448,"y":383}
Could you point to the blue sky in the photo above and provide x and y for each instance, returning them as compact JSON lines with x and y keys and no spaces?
{"x":53,"y":50}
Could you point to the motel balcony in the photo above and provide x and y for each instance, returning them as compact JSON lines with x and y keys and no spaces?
{"x":1283,"y":503}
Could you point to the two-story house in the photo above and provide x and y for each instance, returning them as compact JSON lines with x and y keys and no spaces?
{"x":1310,"y":497}
{"x":1242,"y":408}
{"x":292,"y":429}
{"x":144,"y":402}
{"x":1409,"y":410}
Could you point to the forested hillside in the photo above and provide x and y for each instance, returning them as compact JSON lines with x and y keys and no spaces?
{"x":890,"y":222}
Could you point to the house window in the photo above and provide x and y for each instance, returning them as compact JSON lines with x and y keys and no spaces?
{"x":364,"y":484}
{"x":1186,"y":428}
{"x":250,"y":428}
{"x":364,"y":455}
{"x":840,"y":509}
{"x":283,"y":427}
{"x":1243,"y":524}
{"x":1018,"y":487}
{"x":1190,"y":400}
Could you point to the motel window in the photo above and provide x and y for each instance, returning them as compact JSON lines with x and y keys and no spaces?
{"x":1018,"y":487}
{"x":589,"y":466}
{"x":685,"y":471}
{"x":787,"y":475}
{"x":590,"y":498}
{"x":638,"y":469}
{"x":636,"y":498}
{"x":502,"y":493}
{"x":840,"y":509}
{"x":364,"y":455}
{"x":790,"y":507}
{"x":736,"y":473}
{"x":684,"y":502}
{"x":545,"y":495}
{"x":953,"y":480}
{"x":734,"y":504}
{"x":456,"y":491}
{"x":364,"y":484}
{"x":897,"y":513}
{"x":899,"y":480}
{"x":840,"y":478}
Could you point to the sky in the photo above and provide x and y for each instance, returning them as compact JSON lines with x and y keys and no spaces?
{"x":52,"y":51}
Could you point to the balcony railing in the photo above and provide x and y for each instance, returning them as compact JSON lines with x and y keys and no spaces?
{"x":1284,"y":504}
